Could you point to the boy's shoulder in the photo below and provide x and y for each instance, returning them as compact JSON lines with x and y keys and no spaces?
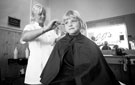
{"x":88,"y":42}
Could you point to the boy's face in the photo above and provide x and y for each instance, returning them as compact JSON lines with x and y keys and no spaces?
{"x":72,"y":26}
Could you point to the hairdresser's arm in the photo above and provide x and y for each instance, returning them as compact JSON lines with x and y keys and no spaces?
{"x":31,"y":35}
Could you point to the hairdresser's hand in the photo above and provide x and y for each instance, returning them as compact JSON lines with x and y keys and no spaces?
{"x":52,"y":25}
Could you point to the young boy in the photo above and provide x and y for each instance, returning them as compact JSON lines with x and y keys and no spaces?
{"x":75,"y":59}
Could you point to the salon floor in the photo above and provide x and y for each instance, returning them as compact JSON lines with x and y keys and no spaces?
{"x":13,"y":81}
{"x":15,"y":72}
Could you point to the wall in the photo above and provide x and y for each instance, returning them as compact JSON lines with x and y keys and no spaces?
{"x":10,"y":35}
{"x":9,"y":39}
{"x":130,"y":23}
{"x":128,"y":19}
{"x":19,"y":9}
{"x":94,"y":9}
{"x":89,"y":9}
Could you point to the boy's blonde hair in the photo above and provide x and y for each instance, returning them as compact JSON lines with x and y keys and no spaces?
{"x":37,"y":9}
{"x":75,"y":14}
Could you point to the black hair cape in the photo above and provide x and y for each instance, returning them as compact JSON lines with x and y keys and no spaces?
{"x":90,"y":66}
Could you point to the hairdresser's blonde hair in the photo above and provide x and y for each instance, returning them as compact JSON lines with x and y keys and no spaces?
{"x":37,"y":9}
{"x":75,"y":14}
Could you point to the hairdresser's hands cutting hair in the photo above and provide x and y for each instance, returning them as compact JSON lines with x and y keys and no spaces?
{"x":52,"y":25}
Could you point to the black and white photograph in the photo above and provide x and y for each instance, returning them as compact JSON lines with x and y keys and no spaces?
{"x":67,"y":42}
